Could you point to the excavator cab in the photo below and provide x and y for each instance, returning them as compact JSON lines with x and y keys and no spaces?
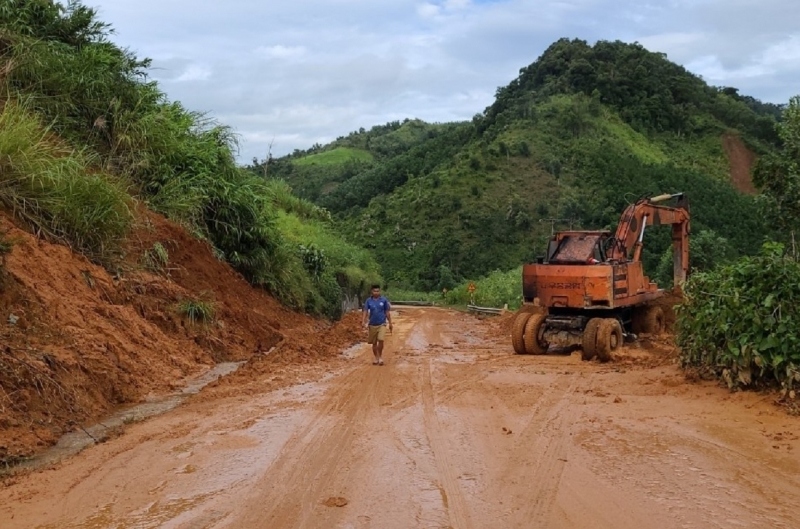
{"x":577,"y":247}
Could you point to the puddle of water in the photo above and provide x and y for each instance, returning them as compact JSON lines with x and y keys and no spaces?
{"x":353,"y":351}
{"x":73,"y":442}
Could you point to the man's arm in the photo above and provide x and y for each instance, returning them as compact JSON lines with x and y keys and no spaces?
{"x":389,"y":314}
{"x":366,"y":315}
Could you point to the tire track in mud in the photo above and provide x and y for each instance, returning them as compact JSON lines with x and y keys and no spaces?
{"x":549,"y":427}
{"x":452,"y":497}
{"x":289,"y":493}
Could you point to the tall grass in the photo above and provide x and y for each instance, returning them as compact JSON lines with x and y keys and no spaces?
{"x":55,"y":189}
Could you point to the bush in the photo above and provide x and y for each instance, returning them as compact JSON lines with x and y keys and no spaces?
{"x":741,"y":322}
{"x":495,"y":290}
{"x":55,"y":188}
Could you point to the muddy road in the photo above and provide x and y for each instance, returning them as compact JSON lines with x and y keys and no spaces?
{"x":454,"y":431}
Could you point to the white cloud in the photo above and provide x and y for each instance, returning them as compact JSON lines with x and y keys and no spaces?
{"x":195,"y":72}
{"x":428,"y":10}
{"x":281,"y":52}
{"x":311,"y":70}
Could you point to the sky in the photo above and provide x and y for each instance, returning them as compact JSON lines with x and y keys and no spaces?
{"x":287,"y":74}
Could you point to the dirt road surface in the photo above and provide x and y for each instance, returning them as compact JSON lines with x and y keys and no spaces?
{"x":454,"y":431}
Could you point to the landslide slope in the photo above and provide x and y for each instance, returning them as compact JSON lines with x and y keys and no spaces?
{"x":103,"y":300}
{"x":579,"y":134}
{"x":78,"y":340}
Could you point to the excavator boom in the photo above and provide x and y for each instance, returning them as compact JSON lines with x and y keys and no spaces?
{"x":647,"y":212}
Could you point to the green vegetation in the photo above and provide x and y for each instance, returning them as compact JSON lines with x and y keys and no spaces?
{"x":582,"y":132}
{"x":495,"y":290}
{"x":111,"y":133}
{"x":778,"y":174}
{"x":197,"y":311}
{"x":53,"y":187}
{"x":742,"y":321}
{"x":333,"y":267}
{"x":337,"y":156}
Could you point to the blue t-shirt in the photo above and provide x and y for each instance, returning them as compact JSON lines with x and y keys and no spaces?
{"x":377,"y":309}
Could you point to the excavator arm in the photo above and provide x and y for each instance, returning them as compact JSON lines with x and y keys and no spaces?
{"x":648,"y":212}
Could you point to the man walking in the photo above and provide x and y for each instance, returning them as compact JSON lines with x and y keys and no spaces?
{"x":376,"y":314}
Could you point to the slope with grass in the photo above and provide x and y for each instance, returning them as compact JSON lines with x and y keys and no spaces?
{"x":112,"y":135}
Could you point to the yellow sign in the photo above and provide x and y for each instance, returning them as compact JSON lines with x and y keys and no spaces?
{"x":471,"y":287}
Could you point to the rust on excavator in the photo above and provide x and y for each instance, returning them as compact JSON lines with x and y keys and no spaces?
{"x":589,"y":275}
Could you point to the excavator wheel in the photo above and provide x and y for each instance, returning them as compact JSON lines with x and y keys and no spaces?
{"x":590,"y":339}
{"x":534,"y":330}
{"x":518,"y":332}
{"x":648,"y":319}
{"x":609,"y":338}
{"x":638,"y":319}
{"x":654,"y":322}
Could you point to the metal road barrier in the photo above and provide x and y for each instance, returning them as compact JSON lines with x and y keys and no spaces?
{"x":485,"y":310}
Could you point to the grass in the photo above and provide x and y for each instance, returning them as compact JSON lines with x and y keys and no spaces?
{"x":156,"y":259}
{"x":56,"y":189}
{"x":337,"y":156}
{"x":197,"y":311}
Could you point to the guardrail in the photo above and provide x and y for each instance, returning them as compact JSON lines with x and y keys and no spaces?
{"x":413,"y":303}
{"x":485,"y":310}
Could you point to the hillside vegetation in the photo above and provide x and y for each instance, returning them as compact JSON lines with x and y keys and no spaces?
{"x":580,"y":133}
{"x":85,"y":135}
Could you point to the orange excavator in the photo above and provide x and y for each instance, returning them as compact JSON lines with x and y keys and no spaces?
{"x":590,"y":289}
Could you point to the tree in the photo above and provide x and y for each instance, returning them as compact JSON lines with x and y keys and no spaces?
{"x":778,"y":175}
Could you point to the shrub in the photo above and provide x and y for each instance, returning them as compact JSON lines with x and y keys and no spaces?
{"x":741,"y":322}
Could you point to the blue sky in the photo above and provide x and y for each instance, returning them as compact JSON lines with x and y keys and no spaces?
{"x":307,"y":71}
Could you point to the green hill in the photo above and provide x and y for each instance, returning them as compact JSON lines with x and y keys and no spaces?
{"x":580,"y":133}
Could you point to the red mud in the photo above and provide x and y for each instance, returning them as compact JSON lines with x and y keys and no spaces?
{"x":85,"y":341}
{"x":741,"y":161}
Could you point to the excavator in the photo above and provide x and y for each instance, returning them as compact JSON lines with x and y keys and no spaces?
{"x":590,"y":290}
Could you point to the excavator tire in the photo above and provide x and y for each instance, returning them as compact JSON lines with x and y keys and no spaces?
{"x":654,"y":320}
{"x":534,"y":344}
{"x":518,"y":332}
{"x":609,"y":338}
{"x":638,"y":318}
{"x":590,"y":339}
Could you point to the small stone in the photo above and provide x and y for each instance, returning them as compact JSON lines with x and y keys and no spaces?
{"x":13,"y":319}
{"x":617,"y":400}
{"x":336,"y":501}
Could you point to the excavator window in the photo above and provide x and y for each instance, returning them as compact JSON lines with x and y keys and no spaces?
{"x":577,"y":248}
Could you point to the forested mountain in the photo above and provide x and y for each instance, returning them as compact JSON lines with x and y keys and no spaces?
{"x":580,"y":133}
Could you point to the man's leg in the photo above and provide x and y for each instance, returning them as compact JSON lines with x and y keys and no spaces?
{"x":376,"y":351}
{"x":380,"y":351}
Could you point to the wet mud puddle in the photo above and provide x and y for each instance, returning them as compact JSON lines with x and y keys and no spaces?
{"x":73,"y":442}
